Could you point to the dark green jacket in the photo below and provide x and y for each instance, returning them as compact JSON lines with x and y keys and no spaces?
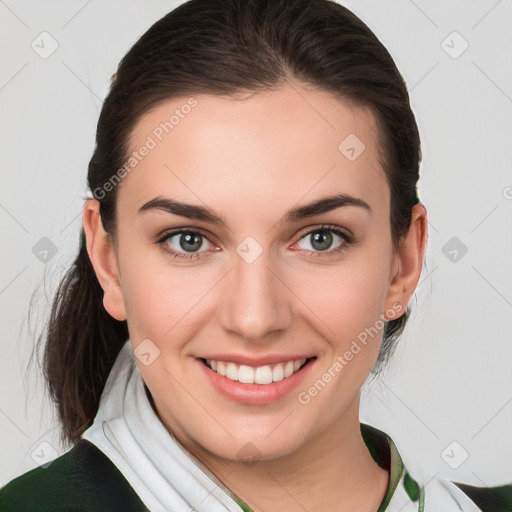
{"x":85,"y":480}
{"x":82,"y":480}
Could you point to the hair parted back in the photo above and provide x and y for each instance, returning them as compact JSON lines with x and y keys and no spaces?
{"x":221,"y":47}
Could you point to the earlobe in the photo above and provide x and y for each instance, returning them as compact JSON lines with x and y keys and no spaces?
{"x":409,"y":260}
{"x":103,"y":259}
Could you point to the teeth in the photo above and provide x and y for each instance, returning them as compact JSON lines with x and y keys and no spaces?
{"x":260,"y":375}
{"x":263,"y":375}
{"x":232,"y":371}
{"x":221,"y":368}
{"x":278,"y":373}
{"x":288,"y":369}
{"x":244,"y":374}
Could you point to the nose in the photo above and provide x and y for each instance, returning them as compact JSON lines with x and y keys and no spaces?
{"x":255,"y":302}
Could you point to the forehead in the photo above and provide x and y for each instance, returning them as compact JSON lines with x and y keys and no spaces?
{"x":258,"y":150}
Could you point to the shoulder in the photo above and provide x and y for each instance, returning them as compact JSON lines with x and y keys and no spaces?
{"x":440,"y":492}
{"x":489,"y":499}
{"x":82,"y":479}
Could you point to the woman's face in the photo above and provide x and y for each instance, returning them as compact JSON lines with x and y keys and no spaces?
{"x":264,"y":284}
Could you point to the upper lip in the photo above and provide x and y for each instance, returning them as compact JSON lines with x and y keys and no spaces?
{"x":256,"y":361}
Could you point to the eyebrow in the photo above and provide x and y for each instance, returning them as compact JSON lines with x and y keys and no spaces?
{"x":204,"y":213}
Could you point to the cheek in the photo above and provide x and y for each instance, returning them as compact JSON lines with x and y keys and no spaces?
{"x":347,"y":307}
{"x":160,"y":298}
{"x":347,"y":297}
{"x":346,"y":302}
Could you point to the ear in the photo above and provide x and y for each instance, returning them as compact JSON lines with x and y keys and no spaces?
{"x":408,"y":262}
{"x":103,"y":258}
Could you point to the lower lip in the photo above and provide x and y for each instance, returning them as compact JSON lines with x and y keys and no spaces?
{"x":256,"y":394}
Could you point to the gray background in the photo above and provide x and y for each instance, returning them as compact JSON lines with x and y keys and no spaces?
{"x":446,"y":399}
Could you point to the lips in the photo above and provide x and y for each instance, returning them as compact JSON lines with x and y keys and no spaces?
{"x":251,"y":381}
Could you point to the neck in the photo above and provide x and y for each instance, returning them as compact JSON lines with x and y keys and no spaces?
{"x":333,"y":471}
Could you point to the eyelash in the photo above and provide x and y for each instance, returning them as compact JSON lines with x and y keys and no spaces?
{"x":347,"y":239}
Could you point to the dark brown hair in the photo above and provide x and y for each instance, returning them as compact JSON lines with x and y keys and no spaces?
{"x":221,"y":47}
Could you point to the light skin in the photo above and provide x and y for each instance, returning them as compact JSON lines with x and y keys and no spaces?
{"x":252,"y":160}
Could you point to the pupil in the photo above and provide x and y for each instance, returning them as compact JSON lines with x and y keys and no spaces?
{"x":192,"y":241}
{"x":318,"y":236}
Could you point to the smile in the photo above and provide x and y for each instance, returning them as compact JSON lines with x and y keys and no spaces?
{"x":255,"y":375}
{"x":255,"y":382}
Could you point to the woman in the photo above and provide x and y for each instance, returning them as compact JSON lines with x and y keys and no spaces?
{"x":249,"y":248}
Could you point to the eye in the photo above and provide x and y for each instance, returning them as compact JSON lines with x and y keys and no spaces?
{"x":321,"y":239}
{"x":184,"y":243}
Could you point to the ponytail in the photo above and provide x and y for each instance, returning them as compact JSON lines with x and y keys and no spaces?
{"x":82,"y":343}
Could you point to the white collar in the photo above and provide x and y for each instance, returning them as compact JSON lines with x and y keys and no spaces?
{"x":129,"y":432}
